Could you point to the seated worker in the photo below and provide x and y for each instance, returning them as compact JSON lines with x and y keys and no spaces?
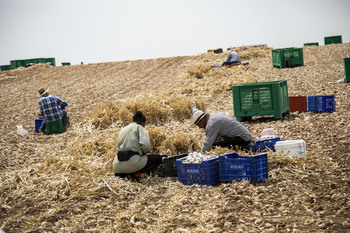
{"x":52,"y":108}
{"x":132,"y":145}
{"x":232,"y":58}
{"x":221,"y":130}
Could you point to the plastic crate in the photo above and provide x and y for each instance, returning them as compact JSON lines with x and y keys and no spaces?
{"x":321,"y":103}
{"x":54,"y":127}
{"x":298,"y":103}
{"x":287,"y":57}
{"x":168,"y":167}
{"x":311,"y":44}
{"x":347,"y":69}
{"x":232,"y":166}
{"x":205,"y":173}
{"x":38,"y":123}
{"x":5,"y":67}
{"x":266,"y":144}
{"x":333,"y":40}
{"x":261,"y":99}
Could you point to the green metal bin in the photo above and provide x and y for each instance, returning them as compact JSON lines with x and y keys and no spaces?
{"x":333,"y":40}
{"x":261,"y":99}
{"x":51,"y":61}
{"x":287,"y":57}
{"x":5,"y":67}
{"x":347,"y":69}
{"x":16,"y":63}
{"x":311,"y":44}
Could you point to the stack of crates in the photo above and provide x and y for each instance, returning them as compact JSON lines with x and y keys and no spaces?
{"x":287,"y":57}
{"x":261,"y":145}
{"x":311,"y":44}
{"x":204,"y":173}
{"x":347,"y":69}
{"x":298,"y":103}
{"x":261,"y":99}
{"x":321,"y":103}
{"x":168,"y":167}
{"x":333,"y":40}
{"x":235,"y":167}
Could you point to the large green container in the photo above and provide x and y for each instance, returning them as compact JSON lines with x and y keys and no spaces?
{"x":51,"y":61}
{"x":287,"y":57}
{"x":261,"y":99}
{"x":311,"y":44}
{"x":333,"y":40}
{"x":16,"y":63}
{"x":5,"y":67}
{"x":347,"y":69}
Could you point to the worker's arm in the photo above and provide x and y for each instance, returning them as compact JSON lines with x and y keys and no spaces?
{"x":211,"y":132}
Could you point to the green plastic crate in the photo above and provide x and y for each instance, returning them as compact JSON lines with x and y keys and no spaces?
{"x":333,"y":40}
{"x":5,"y":67}
{"x":65,"y":63}
{"x":16,"y":63}
{"x":287,"y":57}
{"x":261,"y":99}
{"x":311,"y":44}
{"x":347,"y":69}
{"x":51,"y":60}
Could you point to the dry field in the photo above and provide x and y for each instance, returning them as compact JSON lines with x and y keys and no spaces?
{"x":65,"y":183}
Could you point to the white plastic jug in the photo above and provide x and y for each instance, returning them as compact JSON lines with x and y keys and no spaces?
{"x":21,"y":131}
{"x":291,"y":147}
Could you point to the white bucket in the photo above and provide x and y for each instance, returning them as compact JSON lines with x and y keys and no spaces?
{"x":291,"y":147}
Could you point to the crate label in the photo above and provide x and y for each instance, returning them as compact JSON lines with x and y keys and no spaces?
{"x":236,"y":166}
{"x":193,"y":171}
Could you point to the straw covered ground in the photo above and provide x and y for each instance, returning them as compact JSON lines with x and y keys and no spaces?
{"x":65,"y":182}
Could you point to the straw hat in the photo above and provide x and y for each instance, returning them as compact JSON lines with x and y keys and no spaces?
{"x":197,"y":115}
{"x":42,"y":91}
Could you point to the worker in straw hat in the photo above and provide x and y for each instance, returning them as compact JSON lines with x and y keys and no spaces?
{"x":221,"y":130}
{"x":52,"y":108}
{"x":232,"y":58}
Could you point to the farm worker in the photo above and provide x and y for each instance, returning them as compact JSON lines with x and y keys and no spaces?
{"x":52,"y":108}
{"x":132,"y":145}
{"x":232,"y":58}
{"x":221,"y":130}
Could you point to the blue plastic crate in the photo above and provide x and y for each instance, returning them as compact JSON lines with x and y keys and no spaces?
{"x":38,"y":123}
{"x":266,"y":144}
{"x":232,"y":166}
{"x":205,"y":173}
{"x":321,"y":103}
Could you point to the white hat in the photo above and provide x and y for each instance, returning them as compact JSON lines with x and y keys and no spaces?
{"x":197,"y":115}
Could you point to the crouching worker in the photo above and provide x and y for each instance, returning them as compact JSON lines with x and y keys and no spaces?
{"x":132,"y":145}
{"x":52,"y":109}
{"x":232,"y":59}
{"x":221,"y":130}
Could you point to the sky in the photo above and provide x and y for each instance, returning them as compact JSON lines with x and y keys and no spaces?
{"x":95,"y":31}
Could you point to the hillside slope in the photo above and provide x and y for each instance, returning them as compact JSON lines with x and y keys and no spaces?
{"x":65,"y":183}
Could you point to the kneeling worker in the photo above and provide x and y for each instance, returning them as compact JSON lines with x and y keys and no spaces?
{"x":232,"y":59}
{"x":221,"y":130}
{"x":132,"y":145}
{"x":52,"y":109}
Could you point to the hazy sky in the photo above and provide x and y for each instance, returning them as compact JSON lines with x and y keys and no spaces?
{"x":93,"y":31}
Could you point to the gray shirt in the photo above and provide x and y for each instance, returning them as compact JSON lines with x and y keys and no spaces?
{"x":233,"y":57}
{"x":219,"y":124}
{"x":133,"y":137}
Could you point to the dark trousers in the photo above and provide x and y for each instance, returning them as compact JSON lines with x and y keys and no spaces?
{"x":153,"y":161}
{"x":231,"y":142}
{"x":65,"y":119}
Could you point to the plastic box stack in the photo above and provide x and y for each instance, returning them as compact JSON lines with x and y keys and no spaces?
{"x":232,"y":166}
{"x":265,"y":144}
{"x":205,"y":173}
{"x":321,"y":103}
{"x":168,"y":167}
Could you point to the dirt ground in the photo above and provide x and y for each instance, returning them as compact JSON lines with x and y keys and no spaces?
{"x":45,"y":187}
